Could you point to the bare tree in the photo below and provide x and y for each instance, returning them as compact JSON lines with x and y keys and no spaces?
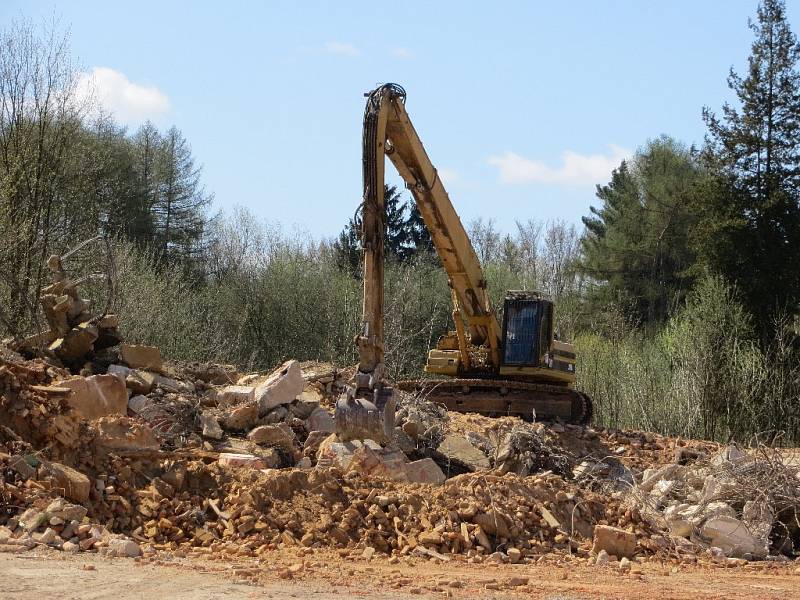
{"x":39,"y":116}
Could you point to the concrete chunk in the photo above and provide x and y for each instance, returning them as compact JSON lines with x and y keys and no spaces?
{"x":235,"y":394}
{"x":424,"y":471}
{"x":75,"y":484}
{"x":97,"y":396}
{"x":241,"y":417}
{"x":278,"y":436}
{"x":283,"y":386}
{"x":141,"y":357}
{"x":123,"y":433}
{"x":211,"y":428}
{"x":733,"y":537}
{"x":321,"y":420}
{"x":615,"y":541}
{"x":457,"y":448}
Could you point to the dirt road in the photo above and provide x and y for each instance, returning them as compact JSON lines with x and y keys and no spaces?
{"x":49,"y":575}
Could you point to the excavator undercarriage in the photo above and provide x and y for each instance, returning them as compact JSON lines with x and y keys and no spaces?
{"x":503,"y":397}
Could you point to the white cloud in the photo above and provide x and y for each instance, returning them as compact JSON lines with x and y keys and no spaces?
{"x":402,"y":53}
{"x":575,"y":169}
{"x":449,"y":176}
{"x":129,"y":102}
{"x":342,"y":48}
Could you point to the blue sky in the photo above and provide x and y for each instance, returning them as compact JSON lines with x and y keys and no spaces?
{"x":523,"y":106}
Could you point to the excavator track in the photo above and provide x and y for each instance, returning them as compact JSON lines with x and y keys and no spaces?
{"x":498,"y":397}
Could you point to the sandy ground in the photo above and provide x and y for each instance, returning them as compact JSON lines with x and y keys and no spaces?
{"x":47,"y":574}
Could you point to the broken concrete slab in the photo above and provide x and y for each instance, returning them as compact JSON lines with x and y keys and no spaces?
{"x":173,"y":385}
{"x":120,"y":371}
{"x":139,"y":404}
{"x":333,"y":453}
{"x":76,"y":343}
{"x":230,"y":459}
{"x":96,"y":396}
{"x":424,"y":471}
{"x":459,"y":450}
{"x":123,"y":547}
{"x":733,"y":537}
{"x":387,"y":462}
{"x":74,"y":484}
{"x":140,"y":382}
{"x":122,"y":433}
{"x":282,"y":386}
{"x":211,"y":428}
{"x":321,"y":420}
{"x":232,"y":395}
{"x":21,"y":466}
{"x":241,"y":417}
{"x":277,"y":436}
{"x":141,"y":357}
{"x":615,"y":541}
{"x":302,"y":409}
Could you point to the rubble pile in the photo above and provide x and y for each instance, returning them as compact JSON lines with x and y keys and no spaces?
{"x":107,"y":447}
{"x":734,"y":503}
{"x":483,"y":516}
{"x":75,"y":336}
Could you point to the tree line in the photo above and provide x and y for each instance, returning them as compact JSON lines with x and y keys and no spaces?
{"x":680,"y":292}
{"x":68,"y":172}
{"x":731,"y":208}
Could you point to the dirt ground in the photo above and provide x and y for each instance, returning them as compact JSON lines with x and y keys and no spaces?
{"x":47,"y":574}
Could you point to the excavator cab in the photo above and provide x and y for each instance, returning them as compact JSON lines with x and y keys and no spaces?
{"x":527,"y":329}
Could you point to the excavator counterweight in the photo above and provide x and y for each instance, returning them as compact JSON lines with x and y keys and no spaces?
{"x":517,"y":367}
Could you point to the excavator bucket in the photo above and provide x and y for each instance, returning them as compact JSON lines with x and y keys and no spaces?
{"x":365,"y":415}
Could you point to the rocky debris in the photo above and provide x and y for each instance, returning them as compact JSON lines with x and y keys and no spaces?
{"x":459,"y":450}
{"x":61,"y":525}
{"x":211,"y":428}
{"x":141,"y":357}
{"x":70,"y":482}
{"x":260,"y":478}
{"x":74,"y":334}
{"x":744,"y":504}
{"x":233,"y":395}
{"x":282,"y":386}
{"x":116,"y":434}
{"x":96,"y":396}
{"x":614,"y":541}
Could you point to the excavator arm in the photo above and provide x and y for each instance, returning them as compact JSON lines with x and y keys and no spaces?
{"x":388,"y":131}
{"x":518,"y":368}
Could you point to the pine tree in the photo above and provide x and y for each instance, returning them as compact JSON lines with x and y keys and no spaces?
{"x":418,"y":235}
{"x":180,"y":202}
{"x":637,"y":245}
{"x":396,"y":243}
{"x":751,"y":217}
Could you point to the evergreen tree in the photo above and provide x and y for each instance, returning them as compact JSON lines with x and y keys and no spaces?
{"x":418,"y":235}
{"x":637,"y":246}
{"x":396,"y":243}
{"x":180,"y":202}
{"x":751,"y":217}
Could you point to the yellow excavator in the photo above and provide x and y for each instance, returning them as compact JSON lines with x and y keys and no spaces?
{"x":517,"y":368}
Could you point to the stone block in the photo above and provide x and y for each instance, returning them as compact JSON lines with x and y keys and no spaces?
{"x":141,"y":357}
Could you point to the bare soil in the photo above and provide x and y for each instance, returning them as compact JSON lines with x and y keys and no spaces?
{"x":46,"y":574}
